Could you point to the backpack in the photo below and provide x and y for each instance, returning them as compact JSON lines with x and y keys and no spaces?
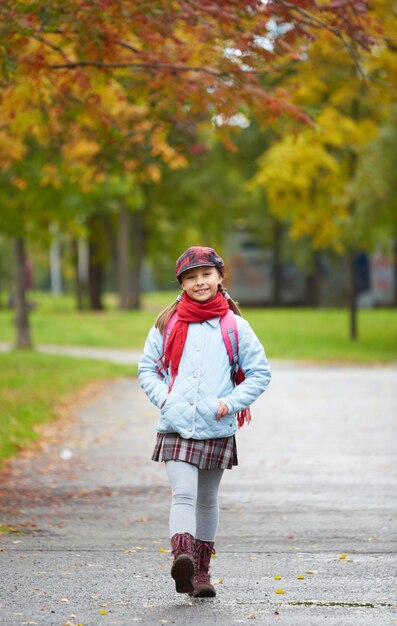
{"x":229,"y":334}
{"x":230,"y":339}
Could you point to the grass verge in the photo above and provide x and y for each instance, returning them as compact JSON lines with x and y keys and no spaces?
{"x":307,"y":334}
{"x":31,"y":387}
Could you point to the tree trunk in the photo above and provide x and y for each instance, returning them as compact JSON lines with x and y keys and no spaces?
{"x":277,"y":263}
{"x":95,"y":264}
{"x":353,"y":296}
{"x":395,"y":271}
{"x":355,"y":113}
{"x":55,"y":264}
{"x":79,"y":287}
{"x":124,"y":277}
{"x":313,"y":281}
{"x":138,"y":234}
{"x":23,"y":338}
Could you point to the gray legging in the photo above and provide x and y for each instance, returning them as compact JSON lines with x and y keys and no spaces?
{"x":194,"y":507}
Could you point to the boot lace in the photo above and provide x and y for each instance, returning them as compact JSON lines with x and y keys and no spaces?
{"x":181,"y":544}
{"x":203,"y":556}
{"x":202,"y":577}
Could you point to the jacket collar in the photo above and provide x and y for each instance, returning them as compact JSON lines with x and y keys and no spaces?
{"x":214,"y":321}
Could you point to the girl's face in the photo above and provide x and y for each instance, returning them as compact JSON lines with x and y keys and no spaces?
{"x":201,"y":283}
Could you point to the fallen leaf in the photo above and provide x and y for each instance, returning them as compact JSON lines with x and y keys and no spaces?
{"x":300,"y":577}
{"x":280,"y":591}
{"x":102,"y":612}
{"x":277,"y":577}
{"x":164,"y":550}
{"x":251,"y":616}
{"x":343,"y":556}
{"x":65,"y":600}
{"x":311,"y":571}
{"x":218,"y":582}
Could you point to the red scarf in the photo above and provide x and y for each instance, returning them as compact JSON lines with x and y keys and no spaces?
{"x":190,"y":311}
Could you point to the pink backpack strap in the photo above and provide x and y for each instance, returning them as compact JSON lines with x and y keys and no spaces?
{"x":230,"y":337}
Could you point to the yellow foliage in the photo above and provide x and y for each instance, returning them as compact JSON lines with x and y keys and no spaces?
{"x":11,"y":148}
{"x":50,"y":176}
{"x":19,"y":183}
{"x":153,"y":173}
{"x":178,"y":161}
{"x":80,"y":149}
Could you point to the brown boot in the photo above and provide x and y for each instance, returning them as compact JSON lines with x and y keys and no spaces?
{"x":182,"y":570}
{"x":201,"y":581}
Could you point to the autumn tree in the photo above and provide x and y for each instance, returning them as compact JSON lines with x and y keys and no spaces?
{"x":101,"y":78}
{"x":309,"y":174}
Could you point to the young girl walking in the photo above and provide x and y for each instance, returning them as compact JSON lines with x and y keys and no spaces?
{"x":185,"y":371}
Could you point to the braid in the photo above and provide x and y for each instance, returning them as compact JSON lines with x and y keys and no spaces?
{"x":164,"y":317}
{"x":232,"y":304}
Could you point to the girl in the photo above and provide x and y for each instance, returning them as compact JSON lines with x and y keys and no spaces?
{"x":186,"y":373}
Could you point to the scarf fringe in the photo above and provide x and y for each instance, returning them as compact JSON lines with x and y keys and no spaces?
{"x":243,"y":417}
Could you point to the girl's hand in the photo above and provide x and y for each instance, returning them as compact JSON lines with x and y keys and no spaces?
{"x":222,"y":410}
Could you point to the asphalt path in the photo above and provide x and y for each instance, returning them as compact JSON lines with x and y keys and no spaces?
{"x":308,"y":521}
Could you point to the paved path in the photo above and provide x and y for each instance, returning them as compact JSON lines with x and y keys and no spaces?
{"x":315,"y":495}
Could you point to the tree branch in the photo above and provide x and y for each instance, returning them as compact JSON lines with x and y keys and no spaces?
{"x":51,"y":45}
{"x":314,"y":20}
{"x":164,"y":67}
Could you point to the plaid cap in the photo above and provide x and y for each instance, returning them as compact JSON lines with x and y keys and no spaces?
{"x":196,"y":257}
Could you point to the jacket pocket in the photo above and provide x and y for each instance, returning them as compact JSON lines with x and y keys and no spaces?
{"x":213,"y":406}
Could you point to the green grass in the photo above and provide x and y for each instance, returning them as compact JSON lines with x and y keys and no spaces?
{"x":32,"y":385}
{"x":308,"y":334}
{"x":323,"y":334}
{"x":55,"y":321}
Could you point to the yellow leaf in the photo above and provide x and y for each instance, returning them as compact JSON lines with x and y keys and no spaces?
{"x":277,"y":578}
{"x":103,"y":612}
{"x":343,"y":556}
{"x":164,"y":550}
{"x":153,"y":173}
{"x":218,"y":582}
{"x":279,"y":591}
{"x":300,"y":577}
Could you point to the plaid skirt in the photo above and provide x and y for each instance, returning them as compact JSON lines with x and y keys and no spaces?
{"x":218,"y":453}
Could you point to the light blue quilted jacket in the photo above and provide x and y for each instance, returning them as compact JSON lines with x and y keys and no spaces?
{"x":204,"y":377}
